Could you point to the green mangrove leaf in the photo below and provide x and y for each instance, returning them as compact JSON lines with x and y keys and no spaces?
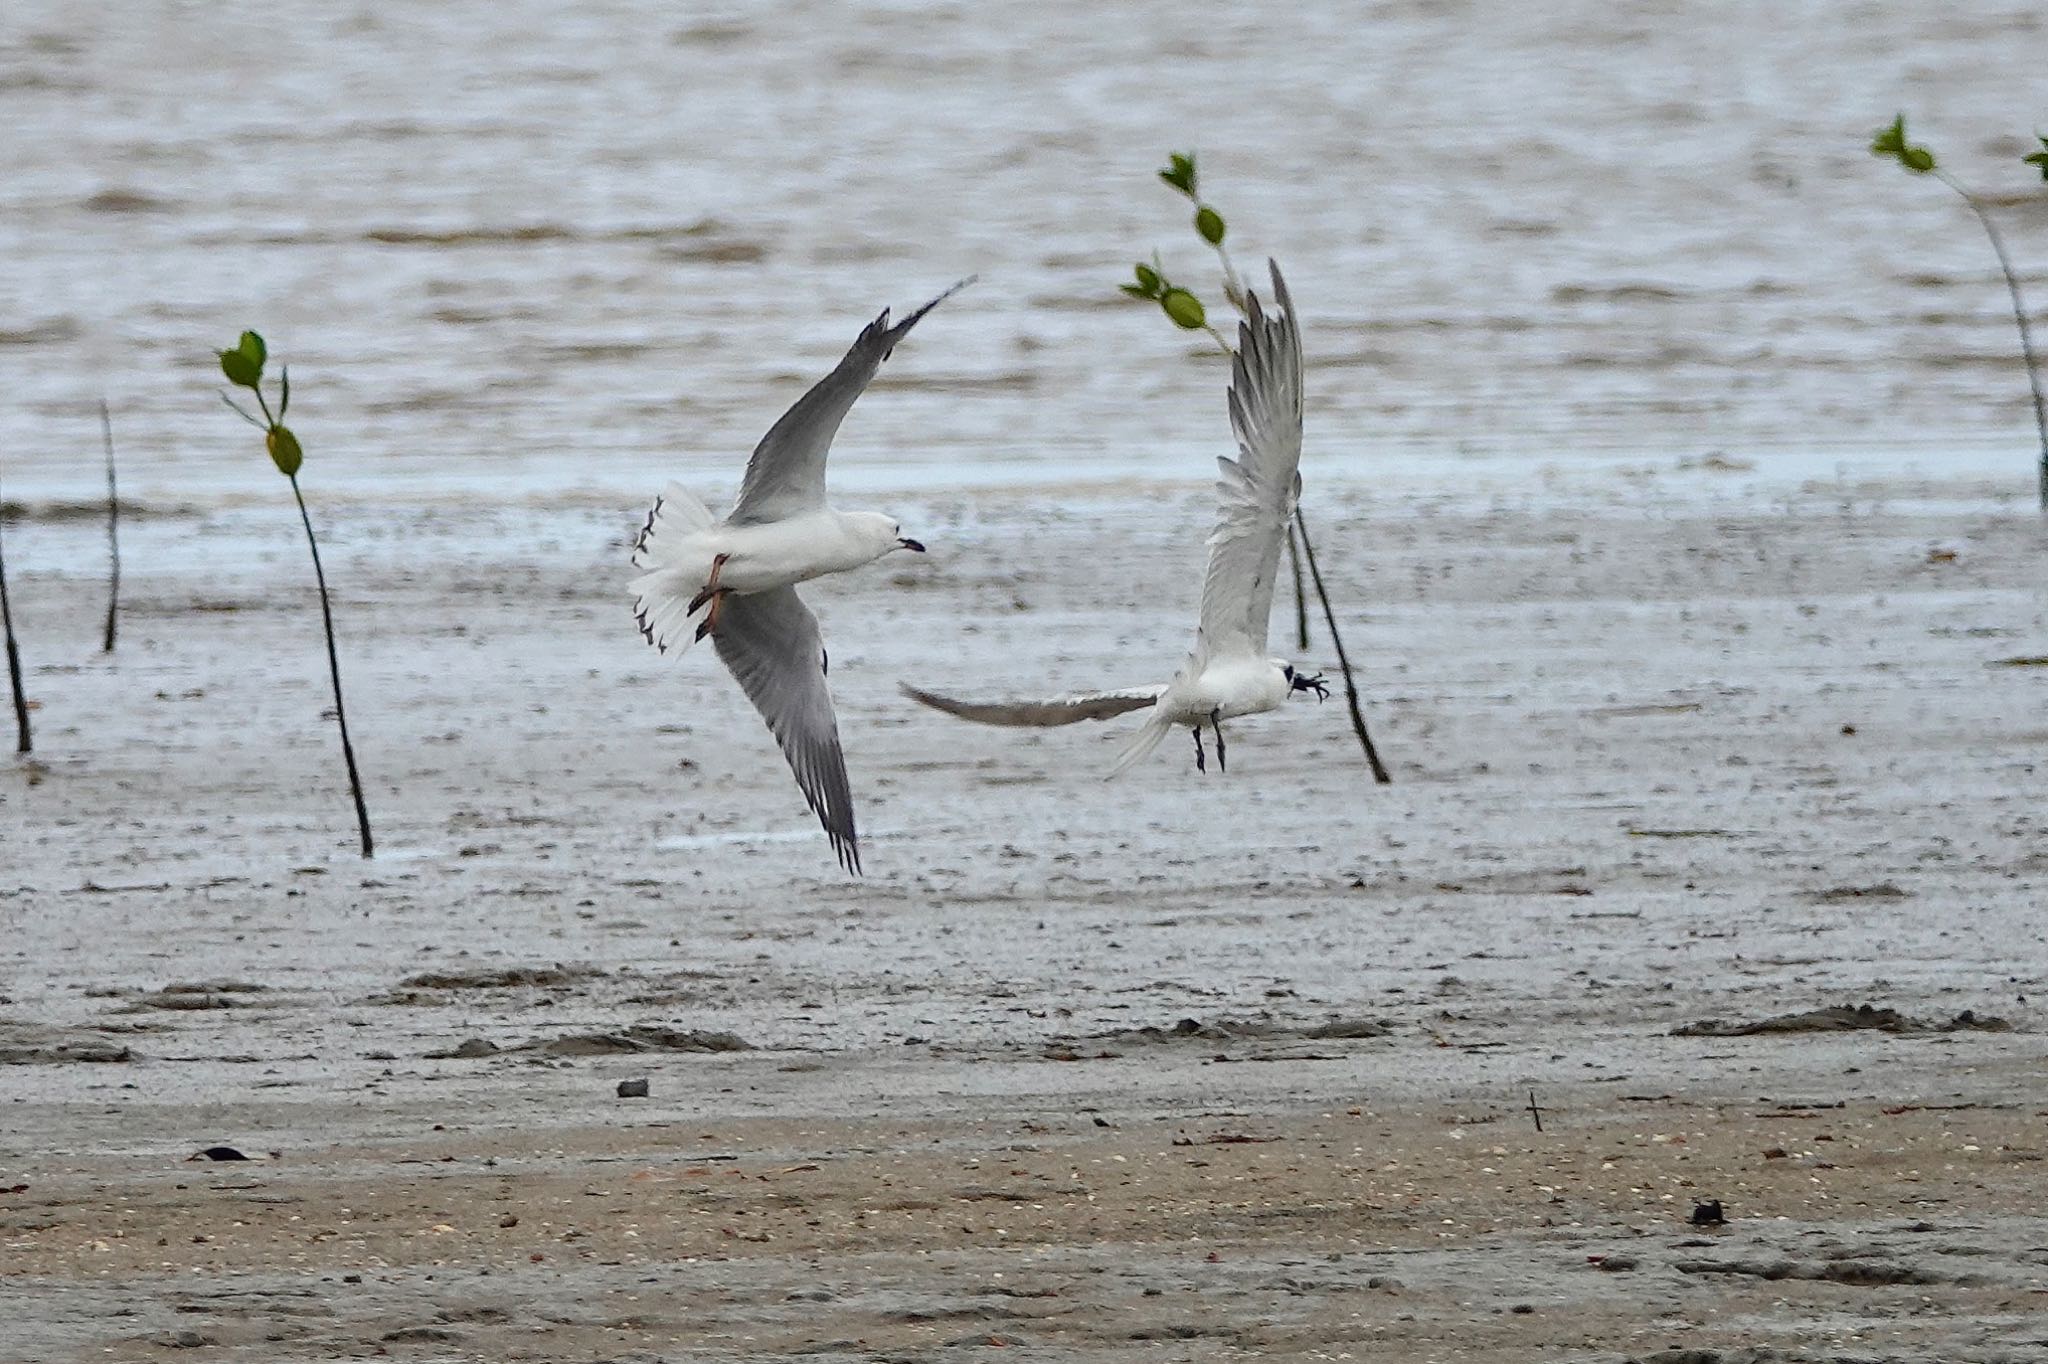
{"x":2039,"y":158}
{"x":240,"y":369}
{"x":252,"y":346}
{"x":1209,"y":223}
{"x":1185,"y":309}
{"x":284,"y":450}
{"x":1180,"y":172}
{"x":1891,"y":141}
{"x":1148,"y":281}
{"x":284,"y":392}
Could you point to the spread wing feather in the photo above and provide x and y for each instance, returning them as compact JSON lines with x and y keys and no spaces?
{"x":770,"y":643}
{"x":1059,"y":710}
{"x":787,"y":472}
{"x":1255,"y":492}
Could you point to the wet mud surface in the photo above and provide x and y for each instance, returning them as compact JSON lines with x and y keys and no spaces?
{"x":1713,"y":847}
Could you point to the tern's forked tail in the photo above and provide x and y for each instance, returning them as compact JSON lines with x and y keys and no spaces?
{"x":1148,"y":737}
{"x":675,"y":565}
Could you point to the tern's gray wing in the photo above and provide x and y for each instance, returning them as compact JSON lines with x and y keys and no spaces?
{"x":1062,"y":710}
{"x":787,"y":473}
{"x":1257,"y":490}
{"x":770,"y":643}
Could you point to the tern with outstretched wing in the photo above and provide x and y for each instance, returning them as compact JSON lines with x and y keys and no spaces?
{"x":1227,"y":674}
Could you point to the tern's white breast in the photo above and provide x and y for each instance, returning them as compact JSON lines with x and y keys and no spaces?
{"x":1227,"y":688}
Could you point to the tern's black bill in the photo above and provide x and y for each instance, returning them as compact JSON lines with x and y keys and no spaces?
{"x":909,"y":543}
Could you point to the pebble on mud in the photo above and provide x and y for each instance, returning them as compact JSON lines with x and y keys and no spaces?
{"x":632,"y":1089}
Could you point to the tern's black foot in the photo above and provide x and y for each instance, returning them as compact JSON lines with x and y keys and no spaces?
{"x":1201,"y":758}
{"x":1216,"y":723}
{"x":1316,"y":684}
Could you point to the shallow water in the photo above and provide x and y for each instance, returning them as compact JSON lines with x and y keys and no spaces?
{"x":508,"y":247}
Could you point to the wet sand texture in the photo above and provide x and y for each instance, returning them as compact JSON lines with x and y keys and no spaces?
{"x":1177,"y":1068}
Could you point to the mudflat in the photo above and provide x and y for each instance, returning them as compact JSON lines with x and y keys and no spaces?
{"x":1714,"y":846}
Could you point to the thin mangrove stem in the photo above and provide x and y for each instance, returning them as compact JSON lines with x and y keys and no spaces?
{"x":348,"y":752}
{"x":1300,"y":594}
{"x":24,"y":742}
{"x":113,"y":533}
{"x":1372,"y":754}
{"x":2019,"y":316}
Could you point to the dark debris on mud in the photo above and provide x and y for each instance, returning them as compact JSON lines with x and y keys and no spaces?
{"x":1843,"y":1018}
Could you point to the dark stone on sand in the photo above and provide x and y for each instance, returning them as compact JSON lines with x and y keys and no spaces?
{"x":500,"y":978}
{"x":632,"y":1089}
{"x":217,"y":1153}
{"x":1842,"y":1018}
{"x":644,"y":1037}
{"x":1708,"y":1214}
{"x":1616,"y":1264}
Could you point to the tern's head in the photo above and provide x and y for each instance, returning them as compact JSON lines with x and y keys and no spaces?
{"x":885,"y":533}
{"x":1300,"y":681}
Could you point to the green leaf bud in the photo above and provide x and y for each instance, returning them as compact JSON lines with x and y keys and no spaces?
{"x":284,"y":450}
{"x":1209,"y":223}
{"x":1184,"y":308}
{"x":2039,"y":158}
{"x":1148,"y":281}
{"x":252,"y":346}
{"x":1180,"y":173}
{"x":1891,"y":141}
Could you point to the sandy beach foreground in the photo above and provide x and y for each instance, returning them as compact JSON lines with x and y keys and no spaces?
{"x":1688,"y":767}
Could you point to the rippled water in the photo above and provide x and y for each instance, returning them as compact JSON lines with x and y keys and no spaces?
{"x":518,"y":247}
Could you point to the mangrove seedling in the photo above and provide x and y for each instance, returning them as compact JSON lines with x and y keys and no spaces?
{"x":24,"y":742}
{"x":243,"y":366}
{"x":1892,"y":144}
{"x":1185,"y":310}
{"x":1183,"y":307}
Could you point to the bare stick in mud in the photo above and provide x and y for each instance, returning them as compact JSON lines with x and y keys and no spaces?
{"x":1300,"y":593}
{"x":24,"y":741}
{"x":1372,"y":754}
{"x":1891,"y":142}
{"x":244,"y":367}
{"x":113,"y":533}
